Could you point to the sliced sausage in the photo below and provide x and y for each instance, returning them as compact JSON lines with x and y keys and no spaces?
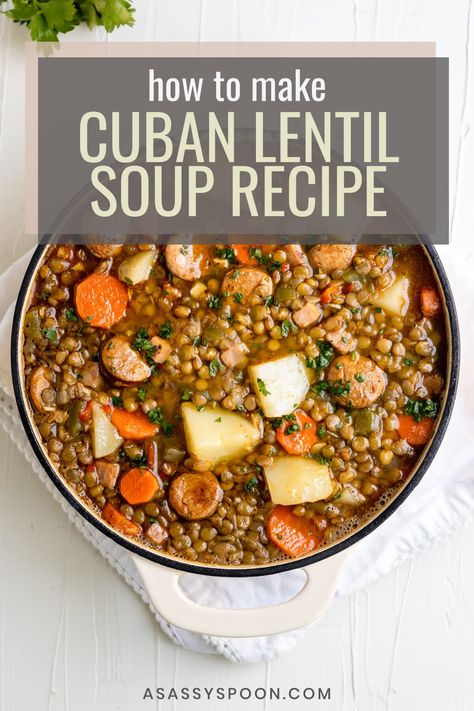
{"x":328,"y":258}
{"x":163,"y":349}
{"x":296,"y":255}
{"x":104,"y":251}
{"x":157,"y":534}
{"x":123,"y":362}
{"x":107,"y":473}
{"x":187,"y":261}
{"x":360,"y":381}
{"x":338,"y":335}
{"x":234,"y":354}
{"x":245,"y":281}
{"x":308,"y":314}
{"x":195,"y":495}
{"x":41,"y":391}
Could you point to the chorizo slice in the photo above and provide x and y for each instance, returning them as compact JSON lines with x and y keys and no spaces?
{"x":328,"y":258}
{"x":245,"y":281}
{"x":187,"y":261}
{"x":104,"y":251}
{"x":338,"y":335}
{"x":122,"y":362}
{"x":358,"y":382}
{"x":195,"y":495}
{"x":41,"y":389}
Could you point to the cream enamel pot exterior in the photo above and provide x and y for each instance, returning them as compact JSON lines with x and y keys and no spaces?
{"x":161,"y":572}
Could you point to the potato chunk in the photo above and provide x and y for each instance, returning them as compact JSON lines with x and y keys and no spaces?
{"x":394,"y":300}
{"x":215,"y":434}
{"x":280,"y":385}
{"x":295,"y":480}
{"x":105,"y":437}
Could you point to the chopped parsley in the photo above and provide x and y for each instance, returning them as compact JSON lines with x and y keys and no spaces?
{"x":156,"y":416}
{"x":200,"y":408}
{"x":51,"y":334}
{"x":214,"y":366}
{"x":322,"y":460}
{"x":141,"y":394}
{"x":117,"y":401}
{"x":321,"y":431}
{"x":238,"y":297}
{"x":378,"y":310}
{"x":407,"y":361}
{"x":340,"y":387}
{"x":197,"y":341}
{"x":326,"y":354}
{"x":142,"y":342}
{"x":359,"y":377}
{"x":262,"y":387}
{"x":286,"y":327}
{"x":187,"y":395}
{"x":251,"y":483}
{"x":419,"y":409}
{"x":292,"y":428}
{"x":226,"y":253}
{"x":214,"y":301}
{"x":165,"y":330}
{"x":256,"y":253}
{"x":71,"y":315}
{"x":268,"y":300}
{"x":218,"y":419}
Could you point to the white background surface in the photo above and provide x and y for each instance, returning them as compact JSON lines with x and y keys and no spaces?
{"x":73,"y":635}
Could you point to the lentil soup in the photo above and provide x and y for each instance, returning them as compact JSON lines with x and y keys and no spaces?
{"x":234,"y":404}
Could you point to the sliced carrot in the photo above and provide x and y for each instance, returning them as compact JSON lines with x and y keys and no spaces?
{"x":138,"y":486}
{"x":294,"y":535}
{"x":331,"y":291}
{"x":120,"y":522}
{"x":242,"y":252}
{"x":132,"y":425}
{"x":101,"y":300}
{"x":430,"y":301}
{"x":299,"y":435}
{"x":414,"y":432}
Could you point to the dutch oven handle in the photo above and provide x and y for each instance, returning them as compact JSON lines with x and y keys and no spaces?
{"x":162,"y":585}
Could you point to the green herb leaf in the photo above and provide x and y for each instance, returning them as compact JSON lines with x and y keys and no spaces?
{"x":71,"y":315}
{"x":420,"y":409}
{"x":226,"y":253}
{"x":187,"y":395}
{"x":51,"y":334}
{"x":117,"y":401}
{"x":214,"y":301}
{"x":141,"y":394}
{"x":251,"y":483}
{"x":156,"y":416}
{"x":165,"y":330}
{"x":286,"y":327}
{"x":262,"y":387}
{"x":238,"y":297}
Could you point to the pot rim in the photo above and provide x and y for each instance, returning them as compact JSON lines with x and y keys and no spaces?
{"x":426,"y":458}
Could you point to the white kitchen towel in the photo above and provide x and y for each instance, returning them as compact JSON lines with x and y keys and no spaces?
{"x":442,"y":502}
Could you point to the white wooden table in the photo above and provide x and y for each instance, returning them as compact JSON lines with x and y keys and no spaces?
{"x":73,"y":635}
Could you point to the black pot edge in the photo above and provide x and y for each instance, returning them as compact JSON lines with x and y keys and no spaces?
{"x":269,"y":569}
